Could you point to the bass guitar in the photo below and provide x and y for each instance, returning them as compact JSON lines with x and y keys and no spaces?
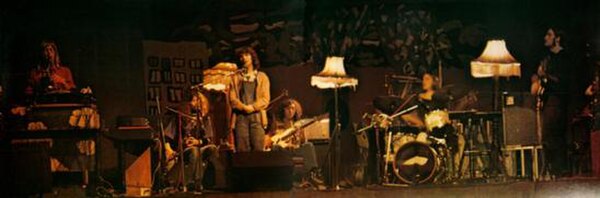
{"x":283,"y":138}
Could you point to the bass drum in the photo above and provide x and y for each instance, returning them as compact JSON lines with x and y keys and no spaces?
{"x":416,"y":163}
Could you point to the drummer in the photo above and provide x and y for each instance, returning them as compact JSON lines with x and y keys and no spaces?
{"x":433,"y":110}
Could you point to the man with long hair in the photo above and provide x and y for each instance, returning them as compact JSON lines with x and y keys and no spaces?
{"x":551,"y":85}
{"x":287,"y":115}
{"x":198,"y":149}
{"x":50,"y":75}
{"x":249,"y":97}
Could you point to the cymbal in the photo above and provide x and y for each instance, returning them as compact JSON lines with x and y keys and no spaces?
{"x":387,"y":104}
{"x":454,"y":91}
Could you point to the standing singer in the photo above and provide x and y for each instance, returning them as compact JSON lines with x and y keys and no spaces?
{"x":249,"y":97}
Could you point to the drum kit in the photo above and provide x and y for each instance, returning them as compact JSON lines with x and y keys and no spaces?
{"x":413,"y":154}
{"x":413,"y":157}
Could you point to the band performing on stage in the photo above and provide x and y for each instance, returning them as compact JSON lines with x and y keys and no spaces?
{"x":229,"y":120}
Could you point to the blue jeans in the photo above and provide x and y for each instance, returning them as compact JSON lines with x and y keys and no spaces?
{"x":249,"y":133}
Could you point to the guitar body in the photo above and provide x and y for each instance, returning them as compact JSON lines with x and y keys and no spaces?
{"x":278,"y":139}
{"x":285,"y":138}
{"x":538,"y":89}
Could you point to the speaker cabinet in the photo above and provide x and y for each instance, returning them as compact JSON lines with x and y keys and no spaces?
{"x":25,"y":170}
{"x":138,"y":176}
{"x":257,"y":171}
{"x":519,"y":126}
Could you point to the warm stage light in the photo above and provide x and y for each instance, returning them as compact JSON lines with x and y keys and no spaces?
{"x":495,"y":61}
{"x":333,"y":75}
{"x":217,"y":78}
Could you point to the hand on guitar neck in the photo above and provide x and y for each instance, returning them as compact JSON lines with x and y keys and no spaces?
{"x":539,"y":83}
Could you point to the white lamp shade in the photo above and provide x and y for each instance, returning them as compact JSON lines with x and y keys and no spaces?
{"x":217,"y":78}
{"x":334,"y":66}
{"x":333,"y":75}
{"x":495,"y":61}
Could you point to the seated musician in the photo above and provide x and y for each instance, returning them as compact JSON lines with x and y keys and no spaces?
{"x":197,"y":146}
{"x":289,"y":112}
{"x":50,"y":75}
{"x":433,"y":102}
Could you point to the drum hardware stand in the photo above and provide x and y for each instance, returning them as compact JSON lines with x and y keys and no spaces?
{"x":489,"y":149}
{"x":384,"y":175}
{"x":405,"y":111}
{"x":388,"y":149}
{"x":472,"y":135}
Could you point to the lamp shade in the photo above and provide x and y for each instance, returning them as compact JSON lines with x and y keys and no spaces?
{"x":217,"y":78}
{"x":495,"y":61}
{"x":333,"y":75}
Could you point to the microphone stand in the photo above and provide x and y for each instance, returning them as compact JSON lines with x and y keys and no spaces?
{"x":405,"y":111}
{"x":163,"y":152}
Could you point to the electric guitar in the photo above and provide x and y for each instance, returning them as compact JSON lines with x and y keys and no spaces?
{"x":283,"y":137}
{"x":539,"y":84}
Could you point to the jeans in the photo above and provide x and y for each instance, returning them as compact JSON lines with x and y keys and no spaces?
{"x":194,"y":166}
{"x":249,"y":133}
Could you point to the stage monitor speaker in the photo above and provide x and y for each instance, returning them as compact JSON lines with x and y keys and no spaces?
{"x":25,"y":170}
{"x":257,"y":171}
{"x":519,"y":126}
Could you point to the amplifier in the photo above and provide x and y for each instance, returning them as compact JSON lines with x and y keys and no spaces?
{"x":318,"y":130}
{"x":519,"y":126}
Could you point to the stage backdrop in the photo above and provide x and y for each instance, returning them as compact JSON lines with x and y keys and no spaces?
{"x":170,"y":69}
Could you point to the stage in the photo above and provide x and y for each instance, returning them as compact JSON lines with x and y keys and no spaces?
{"x":568,"y":187}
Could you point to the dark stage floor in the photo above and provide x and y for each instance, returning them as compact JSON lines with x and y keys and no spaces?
{"x":568,"y":187}
{"x":571,"y":187}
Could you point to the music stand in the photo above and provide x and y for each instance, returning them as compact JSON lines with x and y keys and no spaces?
{"x":333,"y":76}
